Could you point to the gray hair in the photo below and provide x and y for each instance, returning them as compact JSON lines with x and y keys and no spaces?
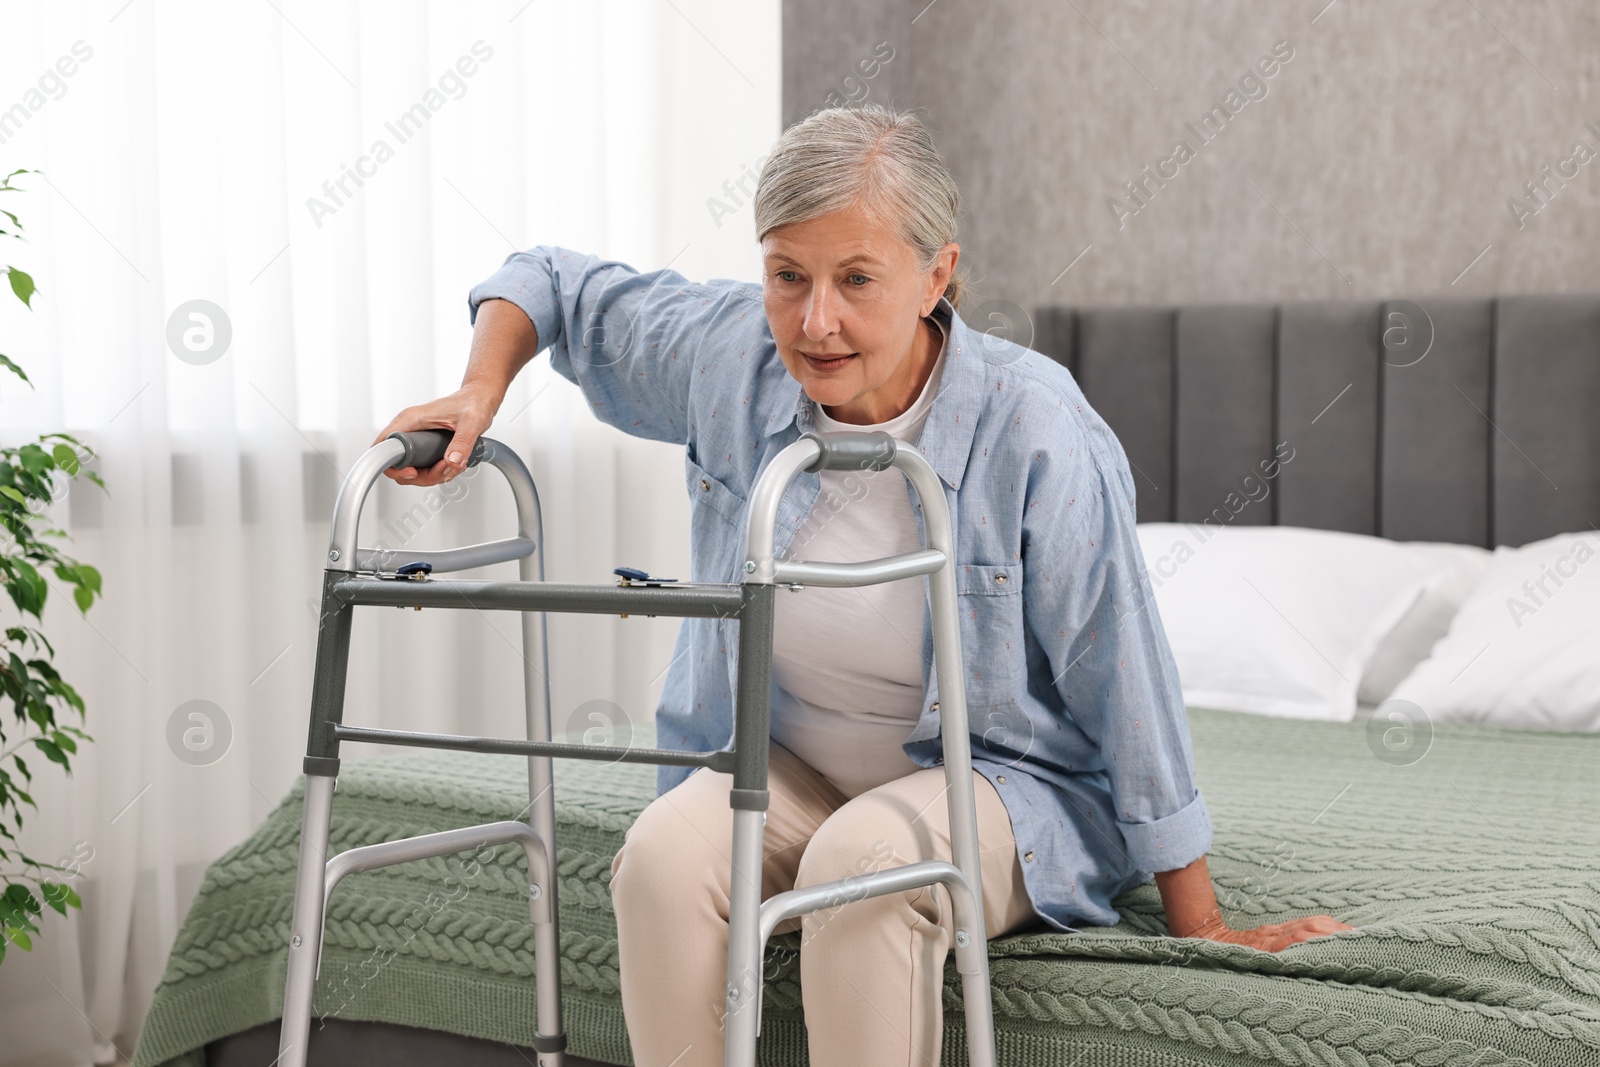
{"x":882,"y":159}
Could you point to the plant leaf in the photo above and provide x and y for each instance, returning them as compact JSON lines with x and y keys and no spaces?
{"x":14,"y":369}
{"x":18,"y":902}
{"x":22,"y":285}
{"x":51,"y":751}
{"x":34,"y":459}
{"x":59,"y":897}
{"x":88,"y":576}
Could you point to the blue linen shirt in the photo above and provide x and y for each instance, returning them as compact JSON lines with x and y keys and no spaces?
{"x":1075,"y":711}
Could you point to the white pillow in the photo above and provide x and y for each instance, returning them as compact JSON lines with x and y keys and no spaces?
{"x":1455,"y":571}
{"x":1278,"y":620}
{"x":1524,"y":650}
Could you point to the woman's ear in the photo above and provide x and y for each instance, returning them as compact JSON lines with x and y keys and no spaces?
{"x":944,"y":266}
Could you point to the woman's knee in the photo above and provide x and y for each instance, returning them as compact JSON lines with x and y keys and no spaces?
{"x":876,"y":831}
{"x":846,"y":850}
{"x":671,"y":843}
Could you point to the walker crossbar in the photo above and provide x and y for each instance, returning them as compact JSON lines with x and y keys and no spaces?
{"x":446,"y":559}
{"x":750,"y":601}
{"x":704,"y":601}
{"x":717,"y":761}
{"x":445,"y":843}
{"x":868,"y":572}
{"x":970,"y":955}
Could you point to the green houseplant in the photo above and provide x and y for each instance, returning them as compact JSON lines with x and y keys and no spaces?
{"x":29,"y":483}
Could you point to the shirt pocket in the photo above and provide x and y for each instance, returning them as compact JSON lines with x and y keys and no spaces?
{"x":707,"y":493}
{"x":716,"y":518}
{"x":989,"y":597}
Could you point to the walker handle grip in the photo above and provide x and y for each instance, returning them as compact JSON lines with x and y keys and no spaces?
{"x":853,"y":450}
{"x":424,"y":448}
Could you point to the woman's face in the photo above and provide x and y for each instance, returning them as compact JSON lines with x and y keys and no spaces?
{"x":845,"y":302}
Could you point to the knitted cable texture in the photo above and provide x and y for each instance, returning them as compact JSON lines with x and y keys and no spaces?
{"x":1472,"y":877}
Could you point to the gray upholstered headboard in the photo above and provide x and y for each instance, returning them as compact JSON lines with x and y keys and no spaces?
{"x":1448,"y":419}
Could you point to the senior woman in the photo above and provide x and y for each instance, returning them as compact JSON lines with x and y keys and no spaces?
{"x":1081,"y":755}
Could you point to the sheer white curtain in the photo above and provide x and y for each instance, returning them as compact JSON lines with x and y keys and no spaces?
{"x":205,"y":152}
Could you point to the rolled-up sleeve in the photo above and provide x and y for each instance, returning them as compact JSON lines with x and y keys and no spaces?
{"x":628,"y":339}
{"x":1109,"y":659}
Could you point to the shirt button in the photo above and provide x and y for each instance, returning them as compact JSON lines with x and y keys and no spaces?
{"x":1028,"y":856}
{"x":934,"y":706}
{"x":1001,"y":779}
{"x":1000,"y":578}
{"x":705,"y":486}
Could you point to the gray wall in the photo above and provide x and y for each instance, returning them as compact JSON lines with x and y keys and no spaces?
{"x":1379,"y":162}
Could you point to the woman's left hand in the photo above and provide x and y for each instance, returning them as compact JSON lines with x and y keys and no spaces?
{"x":1275,"y":936}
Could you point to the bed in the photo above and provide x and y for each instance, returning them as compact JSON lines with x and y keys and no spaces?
{"x":1470,"y":876}
{"x":1471,"y":872}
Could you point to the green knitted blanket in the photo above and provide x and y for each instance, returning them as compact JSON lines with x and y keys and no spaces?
{"x":1472,"y":876}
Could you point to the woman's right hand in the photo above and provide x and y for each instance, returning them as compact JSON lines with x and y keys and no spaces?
{"x":503,"y":341}
{"x":468,"y":411}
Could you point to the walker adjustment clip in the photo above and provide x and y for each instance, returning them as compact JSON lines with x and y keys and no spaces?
{"x":627,"y":576}
{"x":414,"y":572}
{"x":630,"y":576}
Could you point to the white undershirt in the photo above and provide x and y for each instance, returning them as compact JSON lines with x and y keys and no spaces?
{"x":848,"y":662}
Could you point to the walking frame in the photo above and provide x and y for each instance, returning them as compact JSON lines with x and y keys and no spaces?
{"x":359,"y":576}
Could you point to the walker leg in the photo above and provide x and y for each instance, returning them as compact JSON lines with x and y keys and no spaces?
{"x":743,"y":1004}
{"x":972,"y":958}
{"x":547,"y":972}
{"x":980,"y":1018}
{"x":550,"y":1038}
{"x":305,"y":928}
{"x":749,"y":799}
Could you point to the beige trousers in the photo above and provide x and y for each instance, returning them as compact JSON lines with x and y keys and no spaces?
{"x":871,"y":971}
